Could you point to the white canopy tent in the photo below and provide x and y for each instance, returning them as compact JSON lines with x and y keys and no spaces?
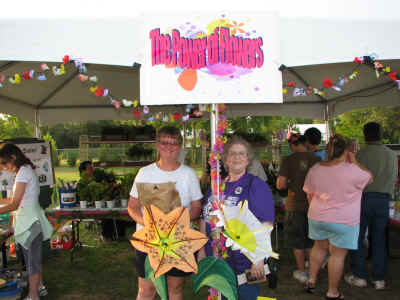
{"x":311,"y":48}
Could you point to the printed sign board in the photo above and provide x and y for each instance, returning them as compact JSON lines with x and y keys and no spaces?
{"x":40,"y":155}
{"x":211,"y":58}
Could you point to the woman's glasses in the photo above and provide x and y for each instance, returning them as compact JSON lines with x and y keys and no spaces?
{"x":3,"y":162}
{"x":238,"y":154}
{"x":166,"y":143}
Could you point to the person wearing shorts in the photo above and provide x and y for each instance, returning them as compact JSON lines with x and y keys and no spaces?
{"x":334,"y":190}
{"x":166,"y":169}
{"x":31,"y":226}
{"x":292,"y":174}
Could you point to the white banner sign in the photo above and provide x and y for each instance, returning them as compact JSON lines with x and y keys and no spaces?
{"x":206,"y":58}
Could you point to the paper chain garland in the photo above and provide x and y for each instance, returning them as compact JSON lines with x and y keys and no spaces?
{"x":327,"y":83}
{"x":92,"y":82}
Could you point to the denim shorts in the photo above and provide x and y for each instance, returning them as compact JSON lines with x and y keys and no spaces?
{"x":339,"y":235}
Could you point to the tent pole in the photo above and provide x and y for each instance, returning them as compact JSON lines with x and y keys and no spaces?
{"x":37,"y":124}
{"x":327,"y":124}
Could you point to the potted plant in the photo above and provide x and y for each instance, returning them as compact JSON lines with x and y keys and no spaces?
{"x":97,"y":192}
{"x":126,"y":186}
{"x":111,"y":193}
{"x":83,"y":190}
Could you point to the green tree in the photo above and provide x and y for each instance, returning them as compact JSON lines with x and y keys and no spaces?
{"x":350,"y":124}
{"x":12,"y":127}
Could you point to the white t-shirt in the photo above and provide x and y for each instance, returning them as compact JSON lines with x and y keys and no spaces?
{"x":27,"y":175}
{"x":185,"y":178}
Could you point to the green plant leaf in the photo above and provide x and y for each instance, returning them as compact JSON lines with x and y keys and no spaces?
{"x":160,"y":283}
{"x":216,"y":273}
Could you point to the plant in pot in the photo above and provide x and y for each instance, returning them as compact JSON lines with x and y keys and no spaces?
{"x":97,"y":192}
{"x":84,"y":191}
{"x":126,"y":186}
{"x":111,"y":193}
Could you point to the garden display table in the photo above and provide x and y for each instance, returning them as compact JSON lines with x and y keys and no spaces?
{"x":60,"y":216}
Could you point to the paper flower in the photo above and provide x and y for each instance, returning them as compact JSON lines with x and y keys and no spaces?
{"x":168,"y":240}
{"x":136,"y":112}
{"x":83,"y":78}
{"x":65,"y":59}
{"x":126,"y":103}
{"x":146,"y":109}
{"x":327,"y":83}
{"x":392,"y":75}
{"x":117,"y":104}
{"x":44,"y":67}
{"x":246,"y":233}
{"x":99,"y":92}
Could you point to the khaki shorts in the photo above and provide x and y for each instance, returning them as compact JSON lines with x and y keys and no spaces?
{"x":295,"y":230}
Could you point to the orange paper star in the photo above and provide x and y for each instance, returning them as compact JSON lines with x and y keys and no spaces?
{"x":168,"y":240}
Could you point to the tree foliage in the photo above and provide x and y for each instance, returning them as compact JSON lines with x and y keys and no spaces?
{"x":350,"y":124}
{"x":12,"y":127}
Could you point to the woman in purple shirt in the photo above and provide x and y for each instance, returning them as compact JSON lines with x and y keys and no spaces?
{"x":240,"y":186}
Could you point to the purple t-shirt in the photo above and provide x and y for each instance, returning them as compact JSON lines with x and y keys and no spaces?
{"x":261,"y":204}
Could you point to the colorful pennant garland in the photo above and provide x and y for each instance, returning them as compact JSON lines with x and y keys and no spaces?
{"x":92,"y":82}
{"x":337,"y":85}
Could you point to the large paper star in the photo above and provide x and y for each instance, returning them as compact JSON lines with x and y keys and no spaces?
{"x":168,"y":240}
{"x":246,"y":233}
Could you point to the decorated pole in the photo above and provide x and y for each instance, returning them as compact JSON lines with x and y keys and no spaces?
{"x":215,"y":187}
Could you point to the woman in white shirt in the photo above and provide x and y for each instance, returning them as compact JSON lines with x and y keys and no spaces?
{"x":31,"y":226}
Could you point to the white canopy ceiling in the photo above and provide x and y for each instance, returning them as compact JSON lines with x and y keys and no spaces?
{"x":314,"y":48}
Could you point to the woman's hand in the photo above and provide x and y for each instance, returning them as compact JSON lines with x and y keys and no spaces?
{"x":201,"y":254}
{"x":351,"y":157}
{"x":257,"y":270}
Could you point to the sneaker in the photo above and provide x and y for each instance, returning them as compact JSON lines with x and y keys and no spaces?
{"x":355,"y":281}
{"x":379,"y":284}
{"x":27,"y":298}
{"x":300,"y":276}
{"x":42,"y":291}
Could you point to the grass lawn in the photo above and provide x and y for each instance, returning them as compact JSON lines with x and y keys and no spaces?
{"x":104,"y":271}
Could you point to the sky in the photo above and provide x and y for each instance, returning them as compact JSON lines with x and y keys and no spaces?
{"x":348,"y":9}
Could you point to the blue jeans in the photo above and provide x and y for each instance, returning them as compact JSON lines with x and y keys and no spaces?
{"x":375,"y":216}
{"x":248,"y":292}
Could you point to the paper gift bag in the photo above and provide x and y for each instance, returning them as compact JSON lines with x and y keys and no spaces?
{"x":163,"y":195}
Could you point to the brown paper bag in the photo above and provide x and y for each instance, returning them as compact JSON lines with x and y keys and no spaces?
{"x":163,"y":195}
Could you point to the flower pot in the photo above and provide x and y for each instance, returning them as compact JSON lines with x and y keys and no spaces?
{"x":110,"y":203}
{"x":98,"y":204}
{"x":67,"y":197}
{"x":124,"y":202}
{"x":83,"y":204}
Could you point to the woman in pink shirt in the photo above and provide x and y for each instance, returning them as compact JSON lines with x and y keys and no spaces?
{"x":334,"y":191}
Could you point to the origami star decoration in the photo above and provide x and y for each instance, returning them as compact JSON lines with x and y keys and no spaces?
{"x":168,"y":240}
{"x":246,"y":233}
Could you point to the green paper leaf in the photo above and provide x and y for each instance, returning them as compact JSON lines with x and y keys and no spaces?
{"x":159,"y":283}
{"x":216,"y":273}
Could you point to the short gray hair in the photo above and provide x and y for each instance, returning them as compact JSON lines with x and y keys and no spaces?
{"x":237,"y":140}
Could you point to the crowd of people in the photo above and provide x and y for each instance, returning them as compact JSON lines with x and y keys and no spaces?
{"x":328,"y":190}
{"x":334,"y":196}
